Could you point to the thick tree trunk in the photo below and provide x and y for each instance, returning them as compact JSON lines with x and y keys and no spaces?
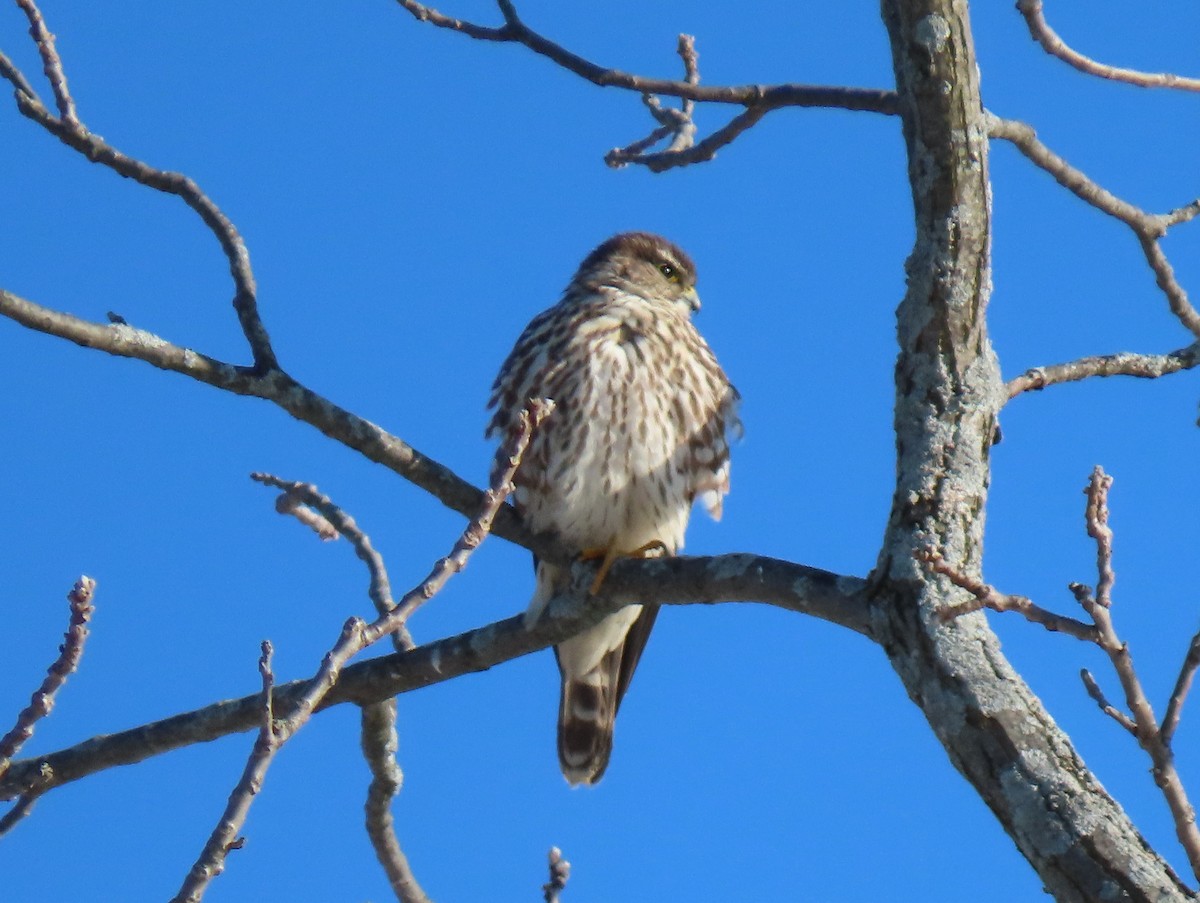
{"x":948,"y":390}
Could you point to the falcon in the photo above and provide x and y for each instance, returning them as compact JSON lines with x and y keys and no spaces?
{"x":640,"y":429}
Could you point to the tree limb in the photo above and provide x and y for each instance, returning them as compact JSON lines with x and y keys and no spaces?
{"x":839,"y":599}
{"x":1041,"y":32}
{"x":758,"y":99}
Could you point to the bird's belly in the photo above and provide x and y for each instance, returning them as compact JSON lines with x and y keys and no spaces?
{"x":611,"y":497}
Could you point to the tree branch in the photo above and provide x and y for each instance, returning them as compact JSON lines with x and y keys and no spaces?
{"x":987,"y":596}
{"x":758,"y":99}
{"x":1041,"y":32}
{"x":374,"y":443}
{"x":224,"y":836}
{"x":1144,"y":366}
{"x":51,"y":63}
{"x":355,"y":636}
{"x":68,"y":129}
{"x":69,"y":654}
{"x":1148,"y":227}
{"x":1182,"y":685}
{"x":727,"y":578}
{"x":379,"y":742}
{"x":322,"y":508}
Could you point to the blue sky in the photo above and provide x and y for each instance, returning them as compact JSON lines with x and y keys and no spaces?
{"x":410,"y":199}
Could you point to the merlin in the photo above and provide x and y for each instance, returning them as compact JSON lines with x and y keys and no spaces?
{"x":640,"y":430}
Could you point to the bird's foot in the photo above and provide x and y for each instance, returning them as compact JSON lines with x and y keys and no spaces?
{"x":607,"y":557}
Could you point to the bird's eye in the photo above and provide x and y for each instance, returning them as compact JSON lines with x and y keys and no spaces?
{"x":669,"y":271}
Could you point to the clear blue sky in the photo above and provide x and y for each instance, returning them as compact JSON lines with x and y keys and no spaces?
{"x":410,"y":199}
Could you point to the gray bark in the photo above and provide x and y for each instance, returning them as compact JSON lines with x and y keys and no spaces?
{"x":948,"y":390}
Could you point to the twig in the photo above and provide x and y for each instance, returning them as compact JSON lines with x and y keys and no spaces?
{"x":319,"y":509}
{"x":305,"y":405}
{"x":1145,"y":366}
{"x":1182,"y":685}
{"x":1055,"y":46}
{"x":379,"y":743}
{"x":1145,"y":725}
{"x":379,"y":739}
{"x":51,"y":64}
{"x":987,"y":596}
{"x":224,"y":836}
{"x":290,"y":503}
{"x":1148,"y":227}
{"x":35,"y":787}
{"x":70,"y":130}
{"x":355,"y":636}
{"x":1094,"y":691}
{"x":1098,"y":529}
{"x":758,"y":99}
{"x":560,"y":873}
{"x":1140,"y":719}
{"x":701,"y":152}
{"x":671,"y":121}
{"x":69,"y":654}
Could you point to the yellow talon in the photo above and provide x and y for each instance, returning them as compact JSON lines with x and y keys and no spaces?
{"x":609,"y":556}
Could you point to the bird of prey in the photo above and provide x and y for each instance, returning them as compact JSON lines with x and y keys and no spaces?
{"x":640,"y":429}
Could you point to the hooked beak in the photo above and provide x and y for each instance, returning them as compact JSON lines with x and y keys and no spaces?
{"x":692,"y":298}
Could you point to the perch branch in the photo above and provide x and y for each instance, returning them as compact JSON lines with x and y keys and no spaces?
{"x":69,"y":654}
{"x":839,"y":599}
{"x":1041,"y":32}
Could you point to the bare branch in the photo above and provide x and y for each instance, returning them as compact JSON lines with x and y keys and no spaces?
{"x":987,"y":596}
{"x":337,"y":520}
{"x":560,"y":873}
{"x":51,"y":64}
{"x":1144,"y":366}
{"x":1182,"y":685}
{"x":379,"y":743}
{"x":290,"y":503}
{"x":301,"y":402}
{"x":1094,"y":691}
{"x":698,"y":153}
{"x":1098,"y":529}
{"x":1145,"y":726}
{"x":69,"y":654}
{"x":224,"y":836}
{"x":75,"y":135}
{"x":839,"y":599}
{"x":37,"y":784}
{"x":758,"y":99}
{"x":774,"y":96}
{"x":1148,"y":227}
{"x":1164,"y":276}
{"x":11,"y":73}
{"x":508,"y":459}
{"x":1055,"y":46}
{"x":355,"y":636}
